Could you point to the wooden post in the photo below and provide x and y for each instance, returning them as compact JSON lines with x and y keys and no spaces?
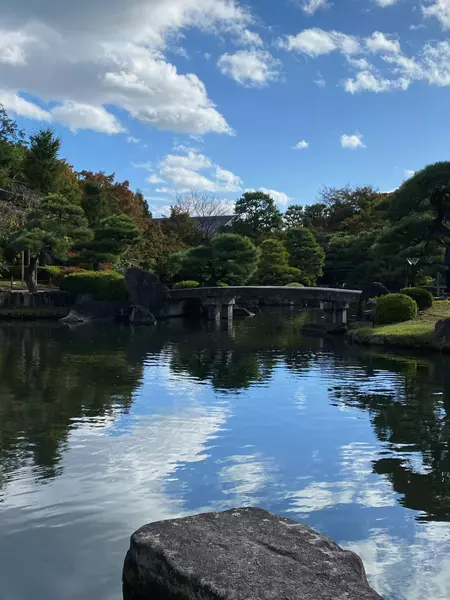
{"x":22,"y":256}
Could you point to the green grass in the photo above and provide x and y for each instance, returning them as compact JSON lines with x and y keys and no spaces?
{"x":6,"y":283}
{"x":418,"y":333}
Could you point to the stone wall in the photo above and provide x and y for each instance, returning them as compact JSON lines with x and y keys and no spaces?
{"x":18,"y":299}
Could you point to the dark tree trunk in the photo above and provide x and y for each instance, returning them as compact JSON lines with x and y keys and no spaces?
{"x":31,"y":275}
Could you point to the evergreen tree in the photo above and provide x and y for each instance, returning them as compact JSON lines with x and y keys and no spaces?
{"x":306,"y":253}
{"x":273,"y":268}
{"x":54,"y":227}
{"x":257,"y":216}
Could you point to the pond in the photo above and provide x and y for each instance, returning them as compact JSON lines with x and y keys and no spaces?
{"x":106,"y":428}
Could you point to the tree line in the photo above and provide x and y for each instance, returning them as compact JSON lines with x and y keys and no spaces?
{"x":350,"y":236}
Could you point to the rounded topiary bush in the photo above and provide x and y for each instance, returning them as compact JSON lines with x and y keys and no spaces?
{"x":395,"y":308}
{"x":189,"y":283}
{"x":222,"y":284}
{"x":294,"y":284}
{"x":422,"y":296}
{"x":103,"y":285}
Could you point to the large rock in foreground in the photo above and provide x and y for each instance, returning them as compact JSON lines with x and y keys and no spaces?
{"x":241,"y":554}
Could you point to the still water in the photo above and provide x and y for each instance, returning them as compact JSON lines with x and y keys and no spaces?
{"x":103,"y":429}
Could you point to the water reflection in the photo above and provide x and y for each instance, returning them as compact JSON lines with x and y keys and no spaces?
{"x":105,"y":428}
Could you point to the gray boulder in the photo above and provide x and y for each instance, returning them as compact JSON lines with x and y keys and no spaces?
{"x":145,"y":289}
{"x":75,"y":317}
{"x":374,"y":290}
{"x":140,"y":315}
{"x":241,"y":554}
{"x":442,"y":331}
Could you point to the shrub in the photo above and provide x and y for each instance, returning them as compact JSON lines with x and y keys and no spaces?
{"x":189,"y":283}
{"x":422,"y":296}
{"x":395,"y":308}
{"x":294,"y":284}
{"x":103,"y":285}
{"x":54,"y":274}
{"x":222,"y":284}
{"x":51,"y":270}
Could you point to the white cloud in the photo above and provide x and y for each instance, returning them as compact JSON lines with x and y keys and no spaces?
{"x":154,"y":179}
{"x":384,"y":3}
{"x":320,"y":81}
{"x":279,"y":197}
{"x":352,"y":141}
{"x":115,"y":58}
{"x":22,"y":107}
{"x":302,"y":145}
{"x":361,"y":64}
{"x":192,"y":160}
{"x":250,"y":67}
{"x":436,"y":63}
{"x":367,"y":81}
{"x":229,"y":180}
{"x":378,"y":42}
{"x":133,"y":140}
{"x":82,"y":116}
{"x":250,"y":38}
{"x":14,"y":47}
{"x":440,"y":9}
{"x":310,"y":7}
{"x":409,"y":173}
{"x":192,"y":171}
{"x":315,"y":42}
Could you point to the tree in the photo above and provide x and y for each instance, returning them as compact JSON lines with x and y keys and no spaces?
{"x":235,"y":258}
{"x":42,"y":166}
{"x":273,"y":268}
{"x":293,"y":217}
{"x":230,"y":258}
{"x":206,"y":208}
{"x":195,"y":264}
{"x":111,"y":238}
{"x":306,"y":253}
{"x":94,"y":202}
{"x":419,"y":215}
{"x":54,"y":227}
{"x":117,"y":198}
{"x":12,"y":149}
{"x":315,"y":216}
{"x":257,"y":215}
{"x":180,"y":228}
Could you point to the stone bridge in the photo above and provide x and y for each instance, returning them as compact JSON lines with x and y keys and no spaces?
{"x":220,"y":301}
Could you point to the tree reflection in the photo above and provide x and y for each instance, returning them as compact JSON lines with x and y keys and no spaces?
{"x":237,"y":357}
{"x":413,"y":421}
{"x":53,"y":377}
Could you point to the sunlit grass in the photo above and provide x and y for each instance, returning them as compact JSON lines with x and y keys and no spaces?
{"x":416,"y":333}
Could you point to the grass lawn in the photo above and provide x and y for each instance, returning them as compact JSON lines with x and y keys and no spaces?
{"x":6,"y":283}
{"x":418,"y":333}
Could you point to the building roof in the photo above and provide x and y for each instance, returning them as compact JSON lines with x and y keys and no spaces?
{"x":209,"y":225}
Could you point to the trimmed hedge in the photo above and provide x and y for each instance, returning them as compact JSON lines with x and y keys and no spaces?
{"x":422,"y":296}
{"x":294,"y":284}
{"x":189,"y":283}
{"x":395,"y":308}
{"x":222,"y":284}
{"x":103,"y":285}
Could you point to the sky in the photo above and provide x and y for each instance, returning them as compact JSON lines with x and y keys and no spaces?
{"x":223,"y":96}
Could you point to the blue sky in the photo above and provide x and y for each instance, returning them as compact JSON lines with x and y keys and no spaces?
{"x":214,"y":95}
